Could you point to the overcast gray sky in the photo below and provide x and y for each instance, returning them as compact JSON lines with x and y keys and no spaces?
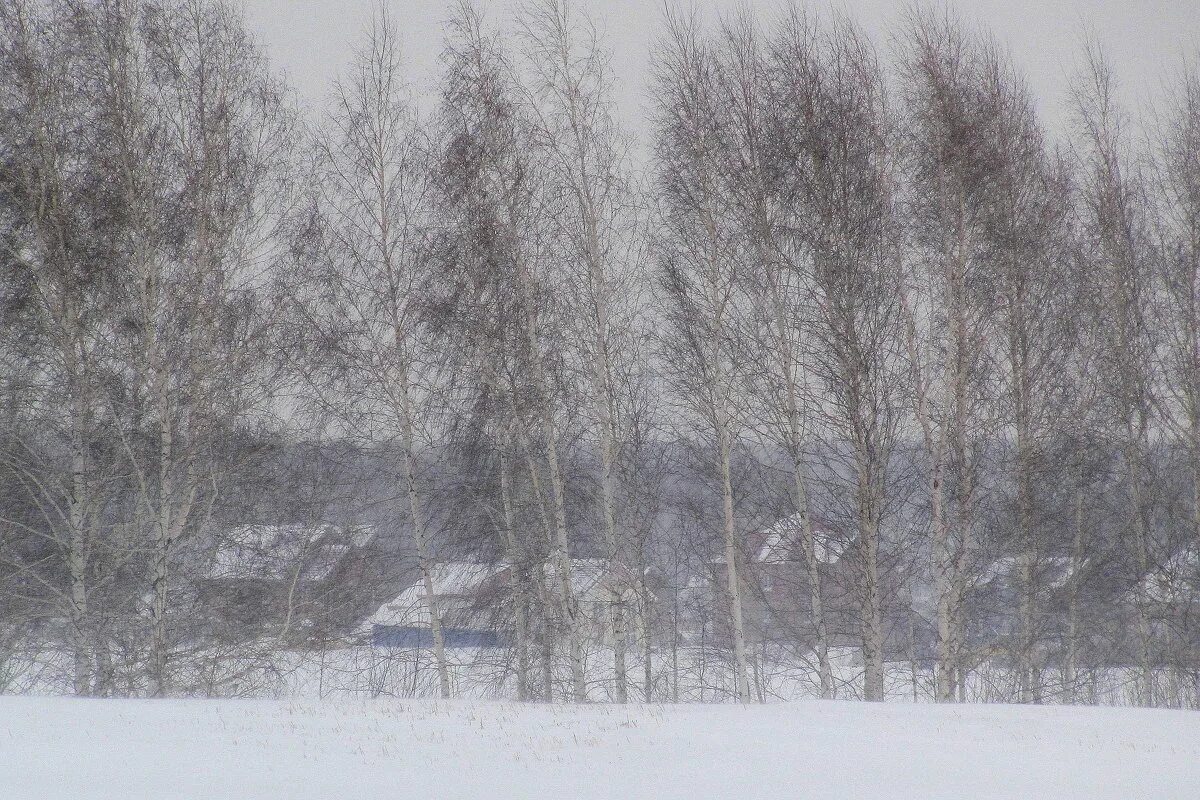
{"x":311,"y":40}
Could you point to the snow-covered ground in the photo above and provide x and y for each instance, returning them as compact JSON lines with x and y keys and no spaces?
{"x":53,"y":748}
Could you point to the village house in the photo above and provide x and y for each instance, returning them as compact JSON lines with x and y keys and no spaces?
{"x":474,"y":602}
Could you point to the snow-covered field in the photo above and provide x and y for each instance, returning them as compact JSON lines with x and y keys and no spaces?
{"x":52,"y":748}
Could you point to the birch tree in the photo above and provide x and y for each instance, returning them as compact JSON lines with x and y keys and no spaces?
{"x":1176,"y":228}
{"x":569,"y":97}
{"x":1026,"y":245}
{"x":855,"y":254}
{"x":949,"y":84}
{"x":499,"y":210}
{"x":58,"y":279}
{"x":366,"y":298}
{"x":1117,"y":251}
{"x":199,"y":138}
{"x":701,"y":253}
{"x":777,"y":133}
{"x":989,"y":211}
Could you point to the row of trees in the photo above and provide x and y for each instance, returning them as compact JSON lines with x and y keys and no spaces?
{"x":144,"y":180}
{"x":869,"y":293}
{"x":881,"y":256}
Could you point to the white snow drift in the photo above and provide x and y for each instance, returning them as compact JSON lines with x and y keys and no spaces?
{"x":52,"y":748}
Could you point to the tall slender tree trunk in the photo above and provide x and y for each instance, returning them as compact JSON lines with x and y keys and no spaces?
{"x":813,"y":566}
{"x":647,"y":651}
{"x":77,"y":510}
{"x":795,"y":440}
{"x":160,"y":567}
{"x":943,"y":564}
{"x":545,"y":602}
{"x":1070,"y":665}
{"x":77,"y":569}
{"x":518,"y":582}
{"x":589,"y":170}
{"x":1180,"y":635}
{"x":421,"y":539}
{"x":560,"y":551}
{"x":547,"y":649}
{"x":602,"y":389}
{"x":962,"y":519}
{"x":1026,"y":656}
{"x":562,"y":559}
{"x":935,"y":450}
{"x":616,"y":572}
{"x":733,"y":580}
{"x":1137,"y":526}
{"x":870,"y":503}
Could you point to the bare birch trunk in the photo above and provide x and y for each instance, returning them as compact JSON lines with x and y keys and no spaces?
{"x":77,"y":512}
{"x":647,"y":652}
{"x":562,"y":557}
{"x":942,"y":565}
{"x":960,"y":453}
{"x":732,"y":555}
{"x":787,"y":367}
{"x":517,"y":581}
{"x":159,"y":575}
{"x":869,"y":503}
{"x":408,"y":477}
{"x":616,"y":572}
{"x":1030,"y":679}
{"x":570,"y":73}
{"x":1137,"y":529}
{"x":77,"y":566}
{"x":540,"y":588}
{"x":560,"y":545}
{"x":1072,"y":643}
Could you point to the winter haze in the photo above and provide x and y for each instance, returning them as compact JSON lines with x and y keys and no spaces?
{"x":308,"y":39}
{"x":560,"y":399}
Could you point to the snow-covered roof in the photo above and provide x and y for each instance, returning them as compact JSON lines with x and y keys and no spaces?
{"x":781,"y":542}
{"x":457,"y":584}
{"x":276,"y":552}
{"x":1056,"y":571}
{"x":590,"y":580}
{"x":451,"y":579}
{"x":1063,"y":571}
{"x":459,"y":578}
{"x":587,"y":577}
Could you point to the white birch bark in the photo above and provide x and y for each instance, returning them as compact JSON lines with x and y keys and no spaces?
{"x":518,"y":580}
{"x":568,"y":97}
{"x":1075,"y":581}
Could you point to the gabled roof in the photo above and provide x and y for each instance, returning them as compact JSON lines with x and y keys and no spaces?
{"x":451,"y":579}
{"x":781,"y":542}
{"x":1054,"y":571}
{"x":456,"y":578}
{"x":591,"y":581}
{"x":459,"y":584}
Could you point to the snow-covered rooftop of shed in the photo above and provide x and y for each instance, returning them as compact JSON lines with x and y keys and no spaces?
{"x":457,"y":581}
{"x":1056,"y":571}
{"x":451,"y":579}
{"x":781,"y":542}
